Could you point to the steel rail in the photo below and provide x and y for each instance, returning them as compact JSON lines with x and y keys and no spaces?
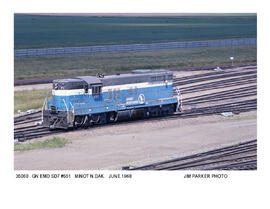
{"x":221,"y":81}
{"x":215,"y":77}
{"x":226,"y":92}
{"x":207,"y":153}
{"x":196,"y":162}
{"x":227,"y":71}
{"x":211,"y":163}
{"x":219,"y":85}
{"x":220,"y":98}
{"x":237,"y":166}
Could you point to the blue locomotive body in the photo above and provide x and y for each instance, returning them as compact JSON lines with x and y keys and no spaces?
{"x":87,"y":100}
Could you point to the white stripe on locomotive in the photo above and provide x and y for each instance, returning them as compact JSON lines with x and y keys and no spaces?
{"x":72,"y":92}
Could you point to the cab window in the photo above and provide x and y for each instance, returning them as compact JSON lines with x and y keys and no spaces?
{"x":96,"y":89}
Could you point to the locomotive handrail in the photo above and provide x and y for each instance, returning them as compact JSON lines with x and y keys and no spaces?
{"x":179,"y":98}
{"x":65,"y":105}
{"x":43,"y":108}
{"x":47,"y":96}
{"x":72,"y":107}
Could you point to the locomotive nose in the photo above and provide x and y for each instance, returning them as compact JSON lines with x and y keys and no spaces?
{"x":57,"y":119}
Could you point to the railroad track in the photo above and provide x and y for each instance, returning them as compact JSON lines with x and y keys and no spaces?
{"x":34,"y":133}
{"x":221,"y":75}
{"x":241,"y":156}
{"x":217,"y":84}
{"x":189,"y":69}
{"x":27,"y":117}
{"x":216,"y":73}
{"x":236,"y":99}
{"x":26,"y":133}
{"x":238,"y":93}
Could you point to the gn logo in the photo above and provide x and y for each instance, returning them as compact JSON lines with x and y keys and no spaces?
{"x":141,"y":99}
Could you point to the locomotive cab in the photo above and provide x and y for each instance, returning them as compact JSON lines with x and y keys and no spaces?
{"x":67,"y":94}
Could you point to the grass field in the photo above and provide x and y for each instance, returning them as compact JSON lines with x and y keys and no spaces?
{"x":85,"y":64}
{"x":26,"y":100}
{"x":35,"y":31}
{"x":55,"y":142}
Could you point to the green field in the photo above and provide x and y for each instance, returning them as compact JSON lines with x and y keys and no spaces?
{"x":55,"y":142}
{"x":35,"y":31}
{"x":86,"y":64}
{"x":26,"y":100}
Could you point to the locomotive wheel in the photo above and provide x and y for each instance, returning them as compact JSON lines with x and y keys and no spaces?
{"x":78,"y":121}
{"x":103,"y":118}
{"x":112,"y":117}
{"x":99,"y":118}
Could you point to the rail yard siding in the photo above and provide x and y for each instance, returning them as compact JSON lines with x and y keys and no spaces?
{"x":133,"y":47}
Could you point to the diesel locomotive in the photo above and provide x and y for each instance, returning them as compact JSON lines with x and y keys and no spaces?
{"x":87,"y":100}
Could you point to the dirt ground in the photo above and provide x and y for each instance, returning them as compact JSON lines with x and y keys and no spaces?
{"x":140,"y":142}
